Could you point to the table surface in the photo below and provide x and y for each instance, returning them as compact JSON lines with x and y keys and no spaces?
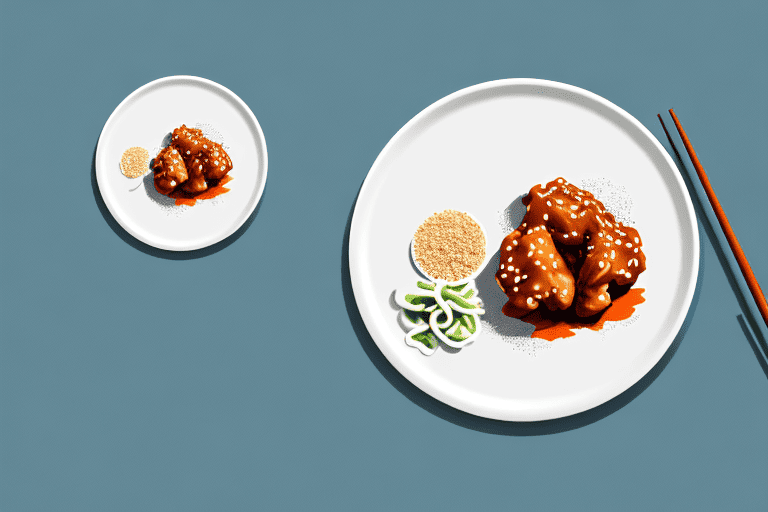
{"x":106,"y":404}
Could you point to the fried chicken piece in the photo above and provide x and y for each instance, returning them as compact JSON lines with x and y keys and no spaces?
{"x":593,"y":246}
{"x":170,"y":170}
{"x":200,"y":159}
{"x":189,"y":141}
{"x":615,"y":256}
{"x":531,"y":272}
{"x":196,"y":183}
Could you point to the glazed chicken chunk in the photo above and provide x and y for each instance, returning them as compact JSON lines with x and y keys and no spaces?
{"x":203,"y":160}
{"x":531,"y":272}
{"x":584,"y":243}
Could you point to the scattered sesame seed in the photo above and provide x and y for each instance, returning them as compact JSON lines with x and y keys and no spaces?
{"x":135,"y":162}
{"x":449,"y":245}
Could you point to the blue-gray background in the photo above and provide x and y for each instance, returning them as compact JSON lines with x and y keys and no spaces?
{"x":107,"y":402}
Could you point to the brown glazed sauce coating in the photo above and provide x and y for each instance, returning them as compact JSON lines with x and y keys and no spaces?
{"x":190,"y":165}
{"x":583,"y":237}
{"x":533,"y":272}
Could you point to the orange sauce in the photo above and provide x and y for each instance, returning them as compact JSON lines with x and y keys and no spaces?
{"x":550,"y":329}
{"x":190,"y":200}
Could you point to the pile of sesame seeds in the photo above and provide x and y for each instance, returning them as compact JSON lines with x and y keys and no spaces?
{"x":135,"y":162}
{"x":449,"y":245}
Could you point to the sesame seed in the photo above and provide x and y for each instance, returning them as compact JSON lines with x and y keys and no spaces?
{"x":530,"y":300}
{"x":535,"y":287}
{"x":503,"y":276}
{"x":509,"y":247}
{"x":509,"y":260}
{"x":517,"y":279}
{"x":601,"y":263}
{"x":515,"y":289}
{"x":134,"y":162}
{"x":449,"y":245}
{"x":546,"y":216}
{"x":530,"y":254}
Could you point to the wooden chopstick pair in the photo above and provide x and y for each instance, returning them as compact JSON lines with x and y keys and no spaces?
{"x":730,"y":236}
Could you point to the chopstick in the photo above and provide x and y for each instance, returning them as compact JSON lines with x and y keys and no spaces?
{"x":741,"y":259}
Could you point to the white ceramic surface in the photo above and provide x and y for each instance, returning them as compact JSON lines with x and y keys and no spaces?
{"x":478,"y":150}
{"x":143,"y":119}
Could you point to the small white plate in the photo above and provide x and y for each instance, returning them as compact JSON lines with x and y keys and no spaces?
{"x":144,"y":119}
{"x":477,"y":151}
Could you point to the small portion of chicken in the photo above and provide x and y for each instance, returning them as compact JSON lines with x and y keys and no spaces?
{"x":532,"y":272}
{"x":170,"y":170}
{"x":204,"y":159}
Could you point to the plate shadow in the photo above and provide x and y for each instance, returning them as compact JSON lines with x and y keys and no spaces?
{"x":470,"y":421}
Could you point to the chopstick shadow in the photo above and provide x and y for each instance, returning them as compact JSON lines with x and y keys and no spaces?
{"x":752,"y":343}
{"x":162,"y":253}
{"x":470,"y":421}
{"x":722,"y":250}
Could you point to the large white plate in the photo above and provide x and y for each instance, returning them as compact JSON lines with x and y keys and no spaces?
{"x":143,"y":119}
{"x":478,"y":150}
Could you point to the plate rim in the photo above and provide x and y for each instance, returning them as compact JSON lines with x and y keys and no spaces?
{"x":261,"y":143}
{"x":519,"y":415}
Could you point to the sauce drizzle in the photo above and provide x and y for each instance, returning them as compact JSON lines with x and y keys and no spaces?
{"x":551,"y":329}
